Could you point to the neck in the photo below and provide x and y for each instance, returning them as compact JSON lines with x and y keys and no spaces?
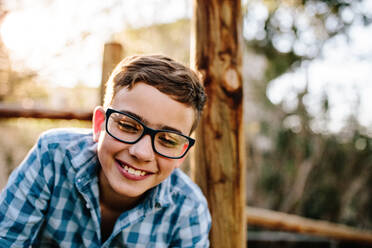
{"x":111,"y":200}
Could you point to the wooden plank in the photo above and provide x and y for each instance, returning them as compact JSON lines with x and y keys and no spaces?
{"x":16,"y":112}
{"x":283,"y":221}
{"x":218,"y":166}
{"x":112,"y":54}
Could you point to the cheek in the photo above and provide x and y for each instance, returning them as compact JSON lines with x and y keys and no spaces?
{"x":101,"y":151}
{"x":167,"y":165}
{"x":107,"y":146}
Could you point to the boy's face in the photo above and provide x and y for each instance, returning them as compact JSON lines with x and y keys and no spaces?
{"x":132,"y":169}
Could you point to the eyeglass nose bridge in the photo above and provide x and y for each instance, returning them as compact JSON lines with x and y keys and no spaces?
{"x":149,"y":131}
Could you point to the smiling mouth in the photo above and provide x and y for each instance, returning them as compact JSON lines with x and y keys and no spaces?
{"x":132,"y":170}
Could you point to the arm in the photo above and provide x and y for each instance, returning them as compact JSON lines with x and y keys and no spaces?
{"x":194,"y":227}
{"x":24,"y":201}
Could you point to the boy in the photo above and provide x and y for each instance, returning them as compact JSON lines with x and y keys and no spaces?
{"x":117,"y":185}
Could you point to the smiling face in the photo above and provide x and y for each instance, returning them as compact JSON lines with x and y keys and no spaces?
{"x":129,"y":170}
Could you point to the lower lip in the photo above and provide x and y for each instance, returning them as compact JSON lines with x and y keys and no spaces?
{"x":129,"y":176}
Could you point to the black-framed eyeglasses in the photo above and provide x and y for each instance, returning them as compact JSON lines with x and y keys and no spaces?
{"x":128,"y":129}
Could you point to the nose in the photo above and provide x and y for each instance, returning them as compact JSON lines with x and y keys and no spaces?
{"x":142,"y":150}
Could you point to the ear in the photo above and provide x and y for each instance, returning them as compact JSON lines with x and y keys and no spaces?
{"x":98,"y":122}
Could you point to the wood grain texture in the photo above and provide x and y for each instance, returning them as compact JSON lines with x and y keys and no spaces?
{"x":218,"y":165}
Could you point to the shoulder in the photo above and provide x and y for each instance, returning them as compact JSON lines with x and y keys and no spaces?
{"x":183,"y":189}
{"x":65,"y":139}
{"x":191,"y":217}
{"x":75,"y":144}
{"x":65,"y":135}
{"x":61,"y":153}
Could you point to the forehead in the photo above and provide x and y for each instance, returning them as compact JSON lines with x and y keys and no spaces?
{"x":155,"y":108}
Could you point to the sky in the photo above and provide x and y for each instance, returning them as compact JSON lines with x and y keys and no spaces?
{"x":46,"y":36}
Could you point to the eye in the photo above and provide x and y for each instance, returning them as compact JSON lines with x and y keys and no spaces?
{"x":127,"y":126}
{"x":169,"y":140}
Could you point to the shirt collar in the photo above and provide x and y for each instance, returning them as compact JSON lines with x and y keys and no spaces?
{"x":160,"y":196}
{"x":83,"y":157}
{"x":82,"y":151}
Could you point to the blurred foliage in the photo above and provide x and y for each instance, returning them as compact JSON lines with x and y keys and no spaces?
{"x":21,"y":86}
{"x":319,"y":175}
{"x":16,"y":85}
{"x":169,"y":39}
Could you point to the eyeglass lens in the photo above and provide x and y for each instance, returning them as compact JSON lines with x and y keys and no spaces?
{"x":129,"y":130}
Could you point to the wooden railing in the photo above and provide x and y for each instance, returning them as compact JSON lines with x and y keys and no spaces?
{"x":17,"y":111}
{"x":294,"y":223}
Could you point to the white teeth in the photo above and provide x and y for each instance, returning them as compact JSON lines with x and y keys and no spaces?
{"x":133,"y":171}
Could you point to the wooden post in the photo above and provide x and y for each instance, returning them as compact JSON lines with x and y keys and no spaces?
{"x":112,"y":54}
{"x":219,"y":160}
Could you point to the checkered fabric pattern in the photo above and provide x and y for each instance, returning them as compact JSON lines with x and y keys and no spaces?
{"x":52,"y":200}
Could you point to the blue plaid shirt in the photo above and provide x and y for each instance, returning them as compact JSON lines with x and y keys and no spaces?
{"x":52,"y":200}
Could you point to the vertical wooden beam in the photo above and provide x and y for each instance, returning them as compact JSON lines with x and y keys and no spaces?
{"x":112,"y":54}
{"x":219,"y":160}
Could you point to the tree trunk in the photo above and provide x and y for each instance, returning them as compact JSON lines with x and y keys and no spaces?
{"x":218,"y":165}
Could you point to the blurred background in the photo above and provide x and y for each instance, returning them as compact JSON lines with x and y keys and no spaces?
{"x":307,"y":88}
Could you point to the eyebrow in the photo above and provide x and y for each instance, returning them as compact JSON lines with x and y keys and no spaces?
{"x":144,"y":121}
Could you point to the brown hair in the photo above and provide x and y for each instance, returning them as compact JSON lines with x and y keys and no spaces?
{"x":163,"y":73}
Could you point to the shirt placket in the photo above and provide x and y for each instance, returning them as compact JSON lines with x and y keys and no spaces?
{"x":86,"y":191}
